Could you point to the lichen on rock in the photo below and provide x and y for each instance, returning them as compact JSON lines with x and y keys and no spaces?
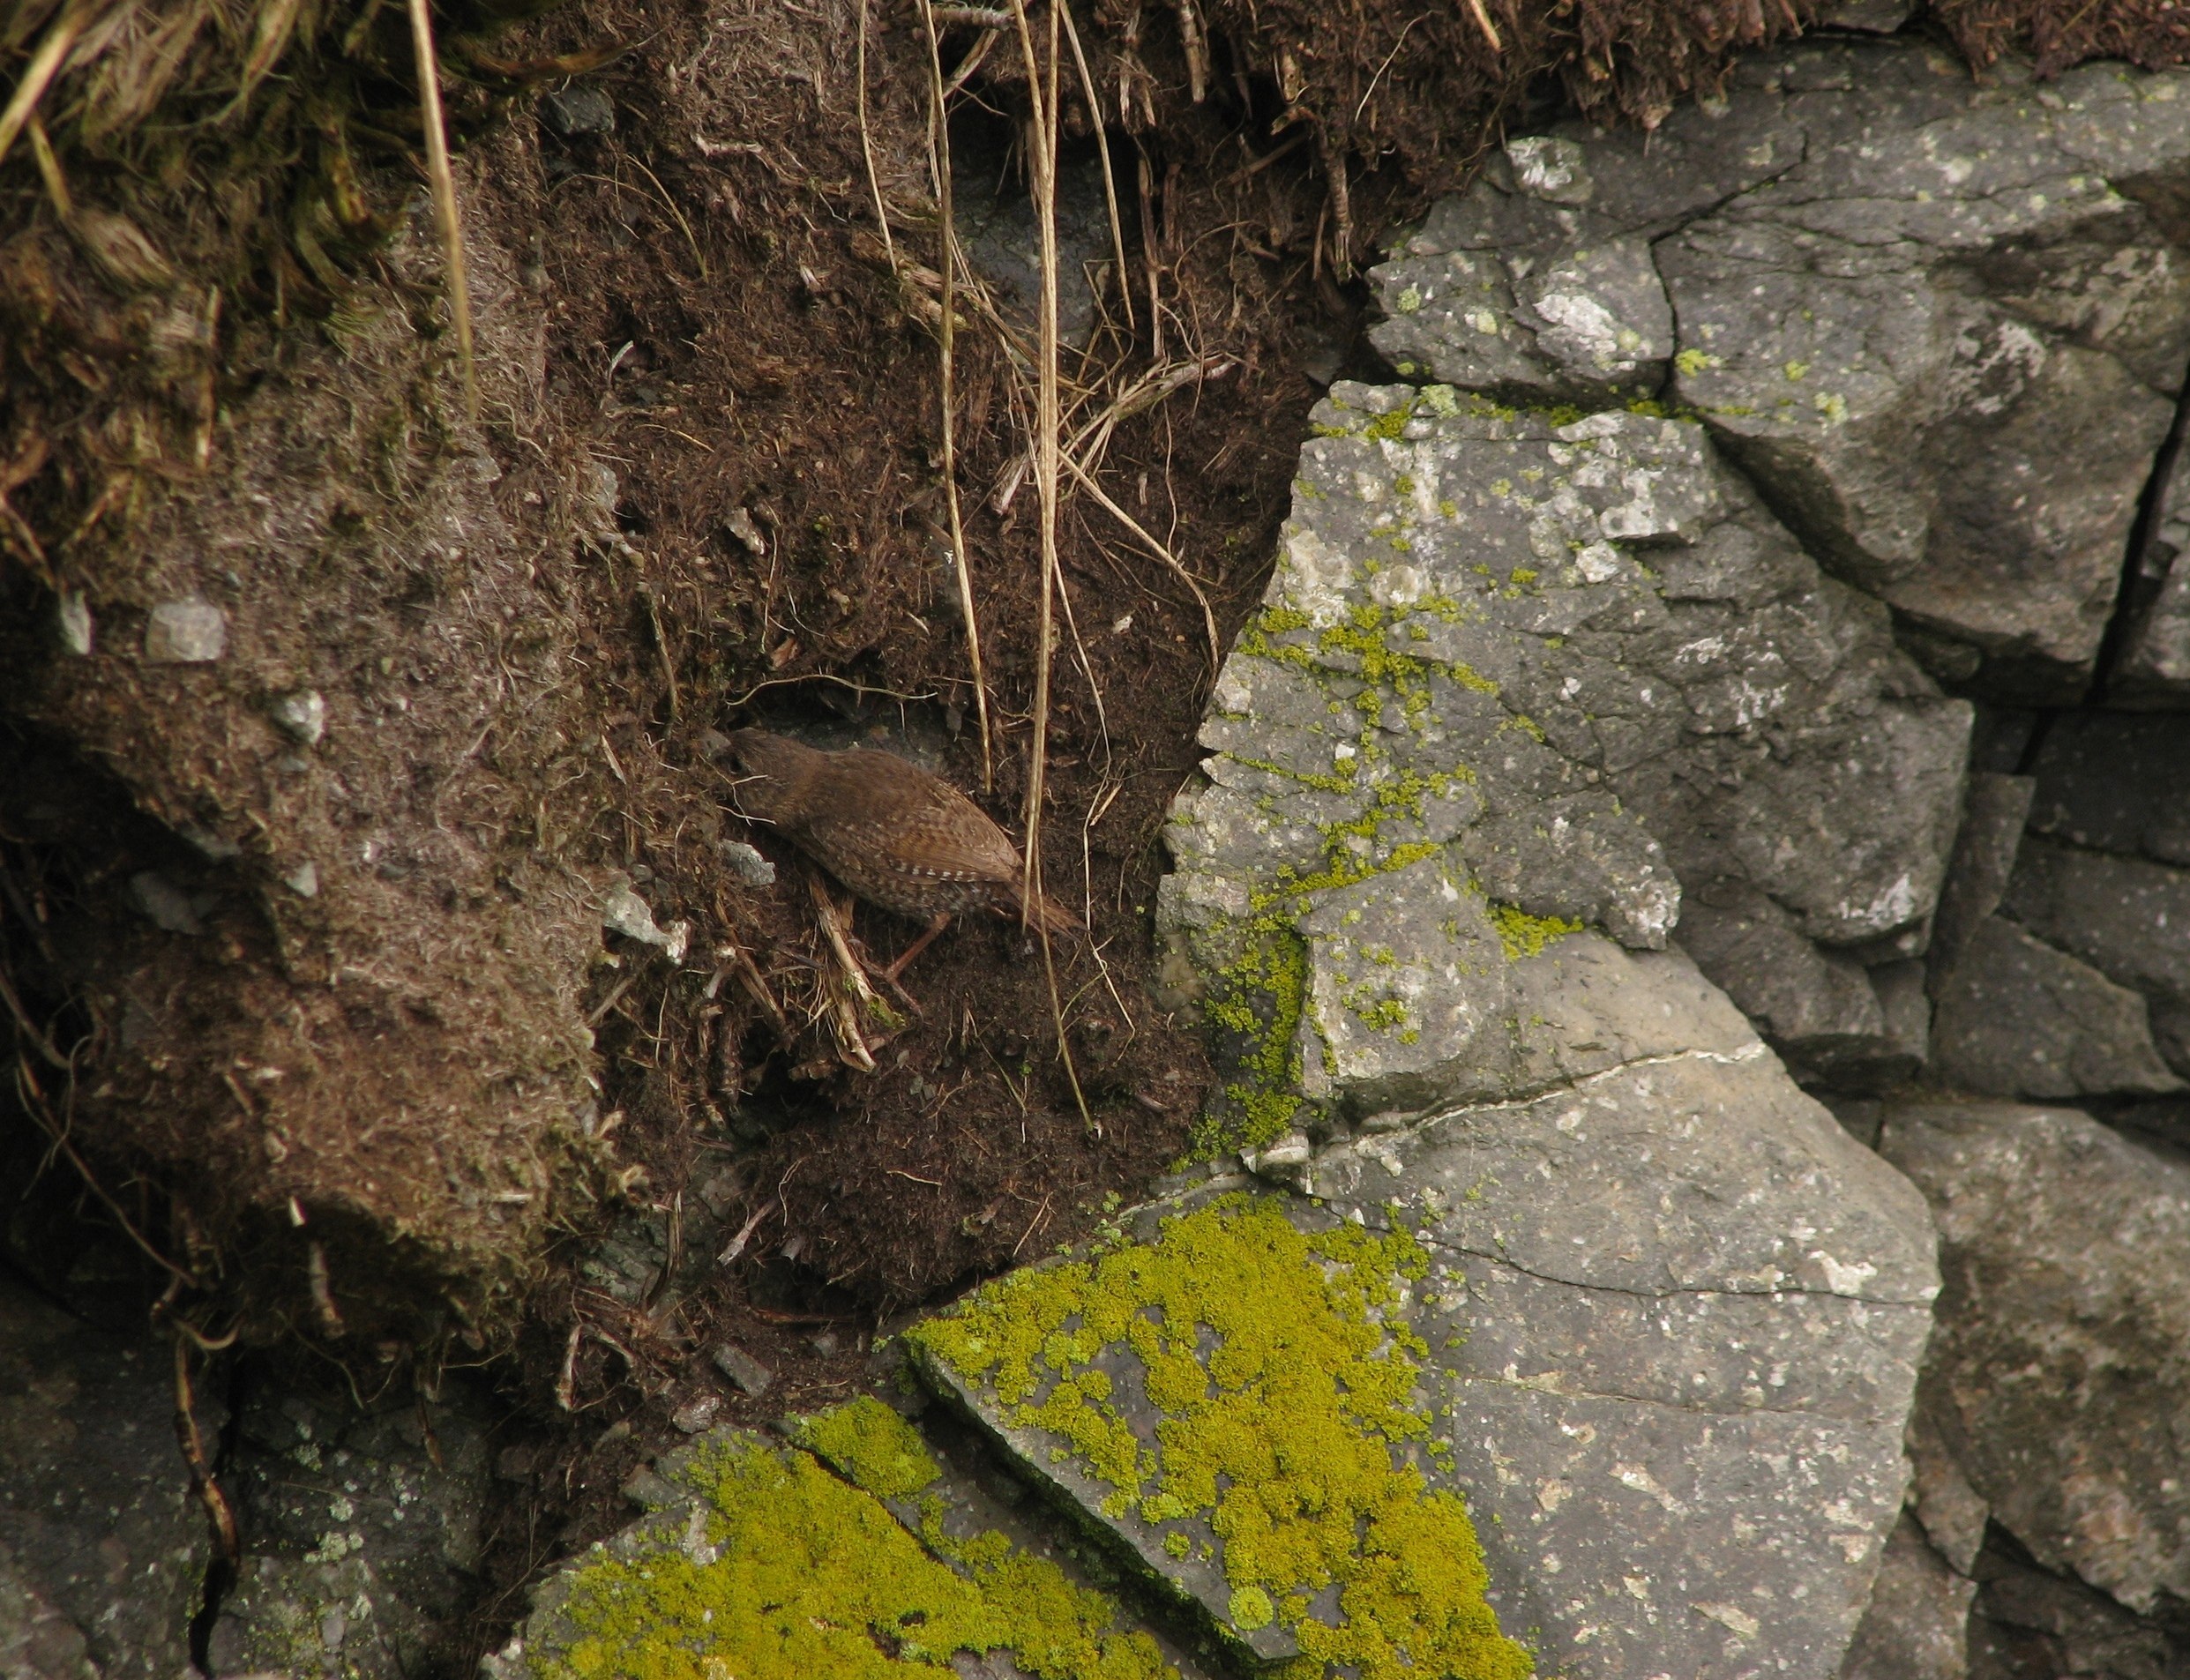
{"x":1236,"y":1395}
{"x":761,"y":1564}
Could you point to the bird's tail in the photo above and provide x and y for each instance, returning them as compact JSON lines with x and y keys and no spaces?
{"x":1050,"y":916}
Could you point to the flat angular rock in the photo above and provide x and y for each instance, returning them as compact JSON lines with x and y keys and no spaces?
{"x":758,"y":1557}
{"x":1918,"y":1627}
{"x":2115,"y":783}
{"x":2060,"y":1351}
{"x":361,"y":1538}
{"x":1557,"y":670}
{"x":1667,"y":1328}
{"x":104,"y":1548}
{"x":1535,"y":318}
{"x":2128,"y":917}
{"x":2153,"y":666}
{"x":1640,"y":1382}
{"x":1894,"y":291}
{"x":1993,"y":817}
{"x":2018,"y":1017}
{"x":1839,"y":1025}
{"x":186,"y":632}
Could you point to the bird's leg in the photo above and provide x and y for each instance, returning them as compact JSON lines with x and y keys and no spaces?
{"x":913,"y":950}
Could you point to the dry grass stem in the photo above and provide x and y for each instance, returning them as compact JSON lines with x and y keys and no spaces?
{"x":1156,"y":548}
{"x":44,"y":64}
{"x":946,"y":342}
{"x":1103,"y":148}
{"x":1048,"y":424}
{"x":854,"y":993}
{"x":192,"y":1439}
{"x":866,"y":143}
{"x":445,"y":208}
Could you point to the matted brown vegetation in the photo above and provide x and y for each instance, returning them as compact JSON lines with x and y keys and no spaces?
{"x":706,"y":486}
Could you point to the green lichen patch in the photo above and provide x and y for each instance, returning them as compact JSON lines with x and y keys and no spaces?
{"x":803,"y":1576}
{"x":1254,"y":1008}
{"x":1281,"y":1382}
{"x":871,"y":1446}
{"x":1526,"y":935}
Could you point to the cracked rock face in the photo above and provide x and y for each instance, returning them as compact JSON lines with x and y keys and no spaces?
{"x":1513,"y":676}
{"x":1526,"y":694}
{"x":363,"y":1534}
{"x":1668,"y":1331}
{"x":2056,"y":1370}
{"x":103,"y":1548}
{"x":1678,"y":1315}
{"x":1891,"y":292}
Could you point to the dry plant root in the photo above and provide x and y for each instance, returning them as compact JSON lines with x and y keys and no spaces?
{"x":443,"y":178}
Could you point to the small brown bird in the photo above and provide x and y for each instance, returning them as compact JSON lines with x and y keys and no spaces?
{"x":897,"y":836}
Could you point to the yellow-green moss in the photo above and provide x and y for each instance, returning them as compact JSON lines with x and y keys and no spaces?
{"x":1524,"y":935}
{"x":813,"y":1578}
{"x":1280,"y":1435}
{"x":871,"y":1446}
{"x":1257,"y":999}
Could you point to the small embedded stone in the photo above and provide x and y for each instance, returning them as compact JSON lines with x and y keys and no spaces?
{"x":740,"y":525}
{"x":163,"y":904}
{"x":302,"y":715}
{"x":743,"y":1370}
{"x":191,"y":631}
{"x":304,"y":880}
{"x":697,"y":1413}
{"x":746,"y":864}
{"x":71,"y":622}
{"x":574,"y":111}
{"x":624,"y":912}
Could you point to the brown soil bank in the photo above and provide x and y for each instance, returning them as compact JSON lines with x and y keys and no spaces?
{"x":334,"y":708}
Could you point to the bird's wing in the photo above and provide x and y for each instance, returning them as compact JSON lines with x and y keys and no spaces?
{"x":951,"y":840}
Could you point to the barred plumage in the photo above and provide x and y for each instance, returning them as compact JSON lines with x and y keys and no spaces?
{"x":897,"y":836}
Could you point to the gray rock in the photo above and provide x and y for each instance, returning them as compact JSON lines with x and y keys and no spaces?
{"x":1542,"y":670}
{"x":2125,"y":917}
{"x":1917,"y":1627}
{"x":2060,"y":1355}
{"x":1896,"y":290}
{"x":165,"y":905}
{"x":2115,"y":783}
{"x":622,"y":911}
{"x":186,"y":632}
{"x":103,"y":1547}
{"x":2017,"y":1018}
{"x":743,"y":1370}
{"x":952,"y":1502}
{"x":997,"y":225}
{"x":1954,"y":1514}
{"x":73,"y":622}
{"x":1807,"y":1002}
{"x":37,"y":1641}
{"x":746,"y":864}
{"x":1578,"y":858}
{"x":2029,"y":1621}
{"x":361,"y":1536}
{"x":1994,"y":815}
{"x":1535,"y":317}
{"x":698,"y":1413}
{"x":580,"y":108}
{"x":1865,"y":17}
{"x":739,"y":523}
{"x":2153,"y":667}
{"x":1641,"y":1288}
{"x":300,"y":714}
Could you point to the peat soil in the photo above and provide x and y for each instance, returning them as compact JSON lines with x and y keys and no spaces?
{"x":727,"y":336}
